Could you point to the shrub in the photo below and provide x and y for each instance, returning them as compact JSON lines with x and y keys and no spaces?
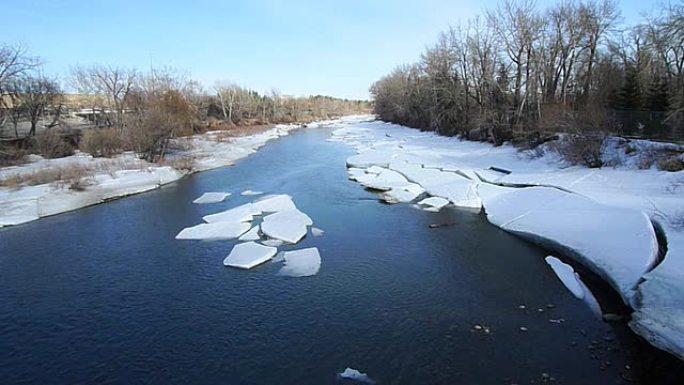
{"x":672,"y":164}
{"x":11,"y":155}
{"x":581,"y":149}
{"x":105,"y":142}
{"x":51,"y":144}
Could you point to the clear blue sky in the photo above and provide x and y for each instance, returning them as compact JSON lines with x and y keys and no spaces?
{"x":298,"y":47}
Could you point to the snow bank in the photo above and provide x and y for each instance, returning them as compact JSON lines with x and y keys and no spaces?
{"x":250,"y":254}
{"x":301,"y":263}
{"x":211,"y":197}
{"x":111,"y":178}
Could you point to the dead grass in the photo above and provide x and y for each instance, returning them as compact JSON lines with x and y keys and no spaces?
{"x":66,"y":175}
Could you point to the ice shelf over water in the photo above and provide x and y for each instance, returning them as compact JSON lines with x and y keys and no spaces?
{"x":599,"y":217}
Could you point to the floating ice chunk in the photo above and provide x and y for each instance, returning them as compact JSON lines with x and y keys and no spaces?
{"x":274,"y":203}
{"x":566,"y":274}
{"x":404,"y":194}
{"x":384,"y":180}
{"x":574,"y":283}
{"x":241,"y":213}
{"x":355,"y":173}
{"x":273,"y":242}
{"x":433,"y":203}
{"x":250,"y":193}
{"x":287,"y":230}
{"x":214,"y":231}
{"x":355,"y":375}
{"x":293,"y":215}
{"x":301,"y":263}
{"x":316,"y":232}
{"x":247,"y":255}
{"x":251,"y":235}
{"x":458,"y":189}
{"x":211,"y":197}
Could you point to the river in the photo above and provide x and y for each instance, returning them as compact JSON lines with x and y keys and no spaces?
{"x":107,"y":295}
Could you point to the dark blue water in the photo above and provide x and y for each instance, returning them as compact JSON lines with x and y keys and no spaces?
{"x":106,"y":295}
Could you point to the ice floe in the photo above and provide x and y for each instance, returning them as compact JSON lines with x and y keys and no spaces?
{"x":292,"y":215}
{"x":567,"y":275}
{"x":404,"y":194}
{"x":250,"y":193}
{"x":250,"y":254}
{"x":355,"y":375}
{"x":433,"y":203}
{"x":272,"y":242}
{"x":316,"y":232}
{"x":290,"y":231}
{"x":243,"y":213}
{"x":211,"y":197}
{"x":214,"y":231}
{"x":274,"y":203}
{"x":301,"y":263}
{"x":251,"y":235}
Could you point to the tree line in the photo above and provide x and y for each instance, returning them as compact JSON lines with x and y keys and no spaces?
{"x":139,"y":110}
{"x":521,"y":71}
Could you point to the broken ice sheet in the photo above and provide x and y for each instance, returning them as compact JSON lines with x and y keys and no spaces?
{"x":247,"y":255}
{"x":214,"y":231}
{"x":301,"y":263}
{"x":241,"y":213}
{"x":211,"y":197}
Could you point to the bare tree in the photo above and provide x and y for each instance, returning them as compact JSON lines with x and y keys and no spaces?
{"x":114,"y":83}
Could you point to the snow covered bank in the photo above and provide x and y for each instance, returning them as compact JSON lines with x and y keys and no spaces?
{"x":96,"y":180}
{"x":601,"y":217}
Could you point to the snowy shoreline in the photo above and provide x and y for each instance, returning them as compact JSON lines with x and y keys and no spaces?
{"x":121,"y":176}
{"x":602,"y":218}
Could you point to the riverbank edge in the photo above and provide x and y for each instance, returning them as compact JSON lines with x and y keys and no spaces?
{"x":652,"y":297}
{"x":209,"y":151}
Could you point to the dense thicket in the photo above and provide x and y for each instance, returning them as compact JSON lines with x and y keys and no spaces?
{"x":521,"y":71}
